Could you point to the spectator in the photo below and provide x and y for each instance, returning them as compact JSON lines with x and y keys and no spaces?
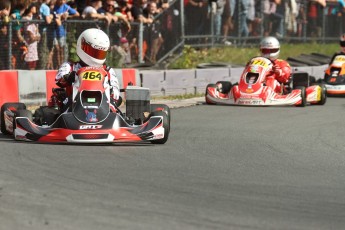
{"x":314,"y":16}
{"x":80,"y":4}
{"x":291,"y":17}
{"x":18,"y":42}
{"x":90,"y":12}
{"x":5,"y":9}
{"x":4,"y":46}
{"x":62,"y":12}
{"x":32,"y":37}
{"x":227,"y":19}
{"x":301,"y":18}
{"x":46,"y":31}
{"x":154,"y":35}
{"x":267,"y":7}
{"x":116,"y":30}
{"x":335,"y":11}
{"x":215,"y":10}
{"x":125,"y":8}
{"x":51,"y":34}
{"x":137,"y":14}
{"x":171,"y":33}
{"x":258,"y":16}
{"x":243,"y":15}
{"x":137,"y":11}
{"x":251,"y":16}
{"x":161,"y":5}
{"x":196,"y":16}
{"x":109,"y":9}
{"x":155,"y":38}
{"x":277,"y":18}
{"x":124,"y":53}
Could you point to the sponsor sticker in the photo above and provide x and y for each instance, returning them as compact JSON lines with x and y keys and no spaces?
{"x":90,"y":126}
{"x":259,"y":62}
{"x":249,"y":102}
{"x":92,"y":76}
{"x":159,"y":136}
{"x":91,"y":116}
{"x":340,"y":58}
{"x":334,"y":87}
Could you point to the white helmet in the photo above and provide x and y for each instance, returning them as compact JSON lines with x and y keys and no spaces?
{"x":92,"y":47}
{"x":270,"y":48}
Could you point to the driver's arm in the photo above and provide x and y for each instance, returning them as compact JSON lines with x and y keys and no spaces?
{"x":62,"y":78}
{"x":114,"y":83}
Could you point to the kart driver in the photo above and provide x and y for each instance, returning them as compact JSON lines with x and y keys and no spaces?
{"x":342,"y":48}
{"x":92,"y":47}
{"x":270,"y":48}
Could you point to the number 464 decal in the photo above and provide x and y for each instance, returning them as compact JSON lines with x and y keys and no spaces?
{"x":92,"y":76}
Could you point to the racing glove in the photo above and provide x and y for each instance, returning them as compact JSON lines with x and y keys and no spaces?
{"x":277,"y":71}
{"x":70,"y":78}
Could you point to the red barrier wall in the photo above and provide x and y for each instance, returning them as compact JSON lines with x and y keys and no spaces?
{"x":9,"y":86}
{"x":128,"y":76}
{"x":50,"y":82}
{"x":9,"y":91}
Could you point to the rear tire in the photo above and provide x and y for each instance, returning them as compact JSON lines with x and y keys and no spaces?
{"x":13,"y":106}
{"x":166,"y":126}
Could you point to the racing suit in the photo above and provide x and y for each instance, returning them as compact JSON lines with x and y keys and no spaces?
{"x":282,"y":73}
{"x":334,"y":55}
{"x":66,"y":76}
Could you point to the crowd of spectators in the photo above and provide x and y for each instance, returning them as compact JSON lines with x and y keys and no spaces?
{"x":239,"y":18}
{"x":280,"y":18}
{"x":30,"y":36}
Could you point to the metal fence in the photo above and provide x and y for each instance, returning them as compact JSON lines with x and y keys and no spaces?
{"x":179,"y":25}
{"x":305,"y":21}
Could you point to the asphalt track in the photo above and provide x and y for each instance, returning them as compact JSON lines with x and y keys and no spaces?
{"x":223,"y":167}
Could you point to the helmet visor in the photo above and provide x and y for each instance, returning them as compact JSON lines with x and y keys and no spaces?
{"x":342,"y":43}
{"x":269,"y":51}
{"x":95,"y":53}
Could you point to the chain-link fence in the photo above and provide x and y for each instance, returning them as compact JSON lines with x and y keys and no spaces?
{"x":210,"y":23}
{"x":193,"y":22}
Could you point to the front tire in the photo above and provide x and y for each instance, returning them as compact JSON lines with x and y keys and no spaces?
{"x":323,"y":95}
{"x":166,"y":127}
{"x":207,"y":100}
{"x":13,"y":106}
{"x":303,"y":95}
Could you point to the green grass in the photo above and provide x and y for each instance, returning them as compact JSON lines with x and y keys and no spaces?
{"x":191,"y":57}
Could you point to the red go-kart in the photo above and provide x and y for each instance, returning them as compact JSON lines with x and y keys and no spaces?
{"x":257,"y":87}
{"x":91,"y":116}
